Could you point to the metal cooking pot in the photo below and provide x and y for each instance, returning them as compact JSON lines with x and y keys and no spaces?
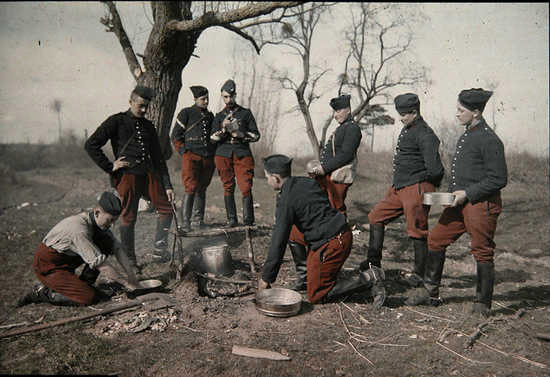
{"x":215,"y":260}
{"x":278,"y":302}
{"x":442,"y":198}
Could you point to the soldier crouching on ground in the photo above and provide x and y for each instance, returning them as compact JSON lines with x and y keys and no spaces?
{"x":139,"y":170}
{"x":80,"y":239}
{"x":334,"y":173}
{"x":417,"y":169}
{"x":191,"y":138}
{"x":303,"y":203}
{"x":478,"y":173}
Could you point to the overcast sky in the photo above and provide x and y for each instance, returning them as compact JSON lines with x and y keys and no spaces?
{"x":60,"y":51}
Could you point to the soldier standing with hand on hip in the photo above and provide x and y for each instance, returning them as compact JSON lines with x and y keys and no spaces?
{"x":233,"y":129}
{"x":191,"y":138}
{"x":417,"y":169}
{"x":478,"y":173}
{"x":139,"y":170}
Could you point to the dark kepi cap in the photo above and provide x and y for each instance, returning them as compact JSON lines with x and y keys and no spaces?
{"x":229,"y":87}
{"x":144,"y":92}
{"x":277,"y":164}
{"x":406,"y":103}
{"x":198,"y":91}
{"x":474,"y":99}
{"x":340,"y":102}
{"x":110,"y":203}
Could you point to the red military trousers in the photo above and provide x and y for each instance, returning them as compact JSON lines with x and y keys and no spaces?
{"x":479,"y":220}
{"x":324,"y":264}
{"x":196,"y":172}
{"x":56,"y":271}
{"x":407,"y":201}
{"x":132,"y":187}
{"x":230,"y":168}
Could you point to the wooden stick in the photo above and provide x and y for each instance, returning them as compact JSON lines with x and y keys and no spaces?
{"x":359,"y":353}
{"x":220,"y":231}
{"x":463,"y":357}
{"x":258,"y":353}
{"x":250,"y":251}
{"x":225,"y":280}
{"x":431,"y":316}
{"x":72,"y":319}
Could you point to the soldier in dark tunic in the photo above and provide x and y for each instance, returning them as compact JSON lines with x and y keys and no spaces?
{"x":233,"y":129}
{"x":417,"y":169}
{"x":301,"y":202}
{"x":191,"y":138}
{"x":139,"y":170}
{"x":82,"y":239}
{"x":340,"y":149}
{"x":478,"y":173}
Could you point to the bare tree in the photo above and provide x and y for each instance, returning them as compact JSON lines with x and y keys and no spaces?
{"x":256,"y":94}
{"x":379,"y":40}
{"x":298,"y":36}
{"x":56,"y":106}
{"x":176,"y":28}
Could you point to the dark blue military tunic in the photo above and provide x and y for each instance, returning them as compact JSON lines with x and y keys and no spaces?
{"x":479,"y":165}
{"x":347,"y":138}
{"x":416,"y":158}
{"x":228,"y":145}
{"x":192,"y":131}
{"x":143,"y":152}
{"x":301,"y":202}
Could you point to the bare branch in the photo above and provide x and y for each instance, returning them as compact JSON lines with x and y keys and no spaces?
{"x":218,"y":19}
{"x":114,"y":25}
{"x":244,"y":35}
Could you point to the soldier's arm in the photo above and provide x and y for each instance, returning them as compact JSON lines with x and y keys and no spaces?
{"x":496,"y":176}
{"x":346,"y":153}
{"x":279,"y":238}
{"x":252,"y":134}
{"x":98,"y":139}
{"x":429,"y":147}
{"x":178,"y":133}
{"x":158,"y":160}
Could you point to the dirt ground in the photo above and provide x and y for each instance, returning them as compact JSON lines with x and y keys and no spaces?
{"x":195,"y":336}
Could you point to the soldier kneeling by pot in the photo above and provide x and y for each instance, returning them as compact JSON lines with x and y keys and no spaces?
{"x":301,"y":202}
{"x":80,"y":239}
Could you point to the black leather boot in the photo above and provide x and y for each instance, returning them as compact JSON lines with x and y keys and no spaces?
{"x":428,"y":294}
{"x":231,"y":211}
{"x":414,"y":279}
{"x":40,"y":293}
{"x":127,"y":239}
{"x":248,"y":210}
{"x":299,"y":254}
{"x":372,"y":278}
{"x":89,"y":275}
{"x":484,"y":288}
{"x":374,"y":252}
{"x":198,"y":209}
{"x":160,"y":252}
{"x":187,"y":209}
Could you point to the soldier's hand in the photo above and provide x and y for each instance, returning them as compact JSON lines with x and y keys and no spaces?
{"x":263,"y":284}
{"x":171,"y":195}
{"x":120,"y":163}
{"x":319,"y":170}
{"x":460,"y":198}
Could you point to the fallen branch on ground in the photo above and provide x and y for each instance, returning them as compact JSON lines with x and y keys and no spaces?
{"x":258,"y":353}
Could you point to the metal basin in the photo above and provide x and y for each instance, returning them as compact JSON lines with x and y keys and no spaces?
{"x":442,"y":198}
{"x":215,"y":260}
{"x":278,"y":302}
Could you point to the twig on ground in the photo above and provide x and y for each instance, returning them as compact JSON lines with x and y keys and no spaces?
{"x":343,"y":322}
{"x":353,"y":311}
{"x":476,"y":334}
{"x":463,"y":357}
{"x":359,"y":353}
{"x":14,"y":325}
{"x":432,"y":316}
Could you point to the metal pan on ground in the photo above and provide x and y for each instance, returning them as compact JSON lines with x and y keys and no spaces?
{"x":441,"y":198}
{"x":150,"y":285}
{"x":278,"y":302}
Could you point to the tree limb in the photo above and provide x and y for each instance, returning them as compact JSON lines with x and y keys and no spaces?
{"x":114,"y":25}
{"x":244,"y":35}
{"x":212,"y":19}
